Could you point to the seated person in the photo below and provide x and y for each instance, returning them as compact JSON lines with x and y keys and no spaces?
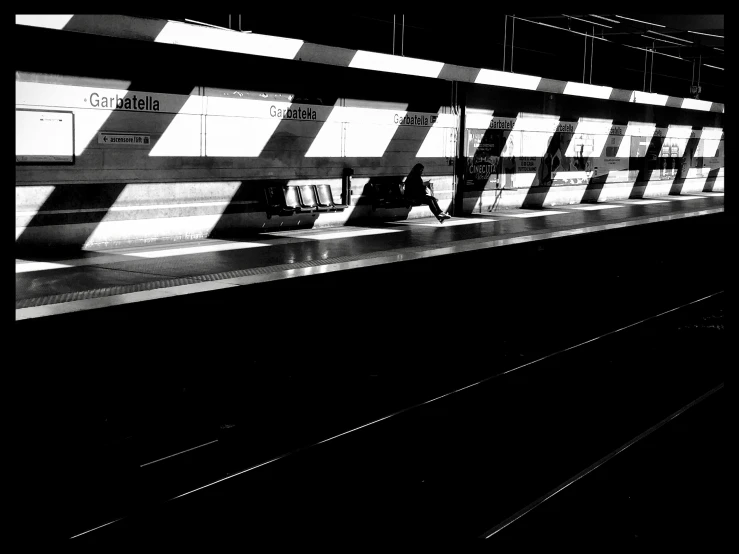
{"x":415,"y":190}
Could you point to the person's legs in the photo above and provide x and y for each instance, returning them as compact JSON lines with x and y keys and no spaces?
{"x":434,"y":205}
{"x":430,"y":201}
{"x":437,"y":210}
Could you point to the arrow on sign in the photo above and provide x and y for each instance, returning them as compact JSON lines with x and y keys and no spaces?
{"x":105,"y":139}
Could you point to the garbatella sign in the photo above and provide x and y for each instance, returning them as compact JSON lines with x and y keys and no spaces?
{"x":132,"y":103}
{"x":298,"y":112}
{"x":415,"y":119}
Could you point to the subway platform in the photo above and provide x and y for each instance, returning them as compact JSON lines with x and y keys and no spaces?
{"x":50,"y":284}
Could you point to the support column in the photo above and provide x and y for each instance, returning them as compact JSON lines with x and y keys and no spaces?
{"x":460,"y":161}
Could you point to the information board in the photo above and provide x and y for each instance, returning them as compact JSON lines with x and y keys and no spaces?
{"x":44,"y":136}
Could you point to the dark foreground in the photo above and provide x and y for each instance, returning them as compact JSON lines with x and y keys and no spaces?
{"x":126,"y":386}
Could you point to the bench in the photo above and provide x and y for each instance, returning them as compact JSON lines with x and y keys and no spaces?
{"x":285,"y":200}
{"x":391,"y":195}
{"x":319,"y":197}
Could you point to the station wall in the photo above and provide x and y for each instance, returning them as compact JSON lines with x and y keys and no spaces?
{"x":129,"y":153}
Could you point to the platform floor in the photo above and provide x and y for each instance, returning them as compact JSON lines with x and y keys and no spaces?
{"x":56,"y":284}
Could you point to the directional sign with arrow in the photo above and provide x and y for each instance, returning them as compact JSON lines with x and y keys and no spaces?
{"x":117,"y":139}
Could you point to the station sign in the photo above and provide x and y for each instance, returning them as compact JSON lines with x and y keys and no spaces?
{"x":116,"y":139}
{"x":415,"y":119}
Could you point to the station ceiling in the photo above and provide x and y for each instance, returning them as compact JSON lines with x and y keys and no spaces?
{"x":662,"y":53}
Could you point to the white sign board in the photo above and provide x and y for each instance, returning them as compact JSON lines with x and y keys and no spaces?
{"x":44,"y":136}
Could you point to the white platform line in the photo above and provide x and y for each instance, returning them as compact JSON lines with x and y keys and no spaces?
{"x":339,"y":234}
{"x":684,"y":197}
{"x":25,"y":266}
{"x":534,"y":214}
{"x":448,"y":223}
{"x":646,"y":201}
{"x":588,"y":207}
